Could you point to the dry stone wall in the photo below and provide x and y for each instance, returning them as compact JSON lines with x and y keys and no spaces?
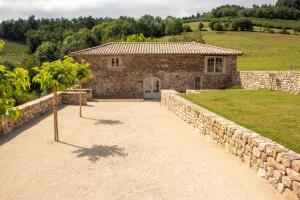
{"x":37,"y":107}
{"x":279,"y":165}
{"x":282,"y":81}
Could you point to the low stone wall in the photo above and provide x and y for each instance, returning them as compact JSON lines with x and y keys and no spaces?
{"x":72,"y":98}
{"x":38,"y":107}
{"x":282,"y":81}
{"x":89,"y":92}
{"x":279,"y":165}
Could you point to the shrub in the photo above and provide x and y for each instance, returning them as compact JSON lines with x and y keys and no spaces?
{"x":187,"y":28}
{"x":200,"y":26}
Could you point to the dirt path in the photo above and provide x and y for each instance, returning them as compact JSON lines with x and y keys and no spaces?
{"x":122,"y":151}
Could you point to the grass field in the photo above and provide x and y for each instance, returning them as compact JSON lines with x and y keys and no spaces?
{"x":262,"y":51}
{"x":274,"y":115}
{"x":13,"y":52}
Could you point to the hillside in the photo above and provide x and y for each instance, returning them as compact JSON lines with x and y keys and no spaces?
{"x":263,"y":51}
{"x":14,"y":52}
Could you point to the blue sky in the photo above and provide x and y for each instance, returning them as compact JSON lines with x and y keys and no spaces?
{"x":112,"y":8}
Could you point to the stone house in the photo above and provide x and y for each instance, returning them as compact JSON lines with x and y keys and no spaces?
{"x":141,"y":70}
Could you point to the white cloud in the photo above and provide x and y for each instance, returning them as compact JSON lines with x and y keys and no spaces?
{"x":112,"y":8}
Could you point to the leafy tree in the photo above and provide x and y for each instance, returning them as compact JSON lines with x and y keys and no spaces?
{"x":139,"y":38}
{"x":48,"y":51}
{"x":174,"y":27}
{"x":56,"y":75}
{"x":11,"y":82}
{"x":200,"y":26}
{"x":83,"y":73}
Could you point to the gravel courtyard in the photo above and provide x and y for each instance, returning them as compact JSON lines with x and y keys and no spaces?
{"x":122,"y":151}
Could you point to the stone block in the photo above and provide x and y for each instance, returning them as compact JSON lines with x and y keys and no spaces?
{"x":289,"y":194}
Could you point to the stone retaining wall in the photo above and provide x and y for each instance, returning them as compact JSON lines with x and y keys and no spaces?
{"x":279,"y":165}
{"x":89,"y":92}
{"x":72,"y":98}
{"x":37,"y":107}
{"x":282,"y":81}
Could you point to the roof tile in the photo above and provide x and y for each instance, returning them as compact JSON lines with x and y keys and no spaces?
{"x":122,"y":48}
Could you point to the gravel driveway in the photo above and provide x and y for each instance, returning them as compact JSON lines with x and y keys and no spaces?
{"x":122,"y":151}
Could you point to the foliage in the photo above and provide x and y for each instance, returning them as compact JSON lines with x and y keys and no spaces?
{"x":276,"y":117}
{"x":1,"y":45}
{"x":265,"y":11}
{"x":242,"y":24}
{"x":187,"y":28}
{"x":200,"y":26}
{"x":47,"y":51}
{"x":59,"y":74}
{"x":139,"y":38}
{"x":288,"y":4}
{"x":174,"y":27}
{"x":11,"y":83}
{"x":83,"y":72}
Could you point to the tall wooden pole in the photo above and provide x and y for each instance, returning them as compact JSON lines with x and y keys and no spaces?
{"x":55,"y":114}
{"x":80,"y":100}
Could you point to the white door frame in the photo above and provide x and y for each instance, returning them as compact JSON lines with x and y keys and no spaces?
{"x":150,"y":87}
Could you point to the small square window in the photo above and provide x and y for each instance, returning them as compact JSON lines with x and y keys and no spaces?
{"x":115,"y":62}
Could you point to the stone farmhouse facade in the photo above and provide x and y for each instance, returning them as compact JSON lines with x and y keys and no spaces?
{"x":142,"y":70}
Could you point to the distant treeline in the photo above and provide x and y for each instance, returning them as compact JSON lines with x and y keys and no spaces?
{"x":49,"y":39}
{"x":283,"y":9}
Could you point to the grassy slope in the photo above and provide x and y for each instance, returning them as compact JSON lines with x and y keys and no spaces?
{"x":13,"y":52}
{"x":263,"y":51}
{"x":276,"y":117}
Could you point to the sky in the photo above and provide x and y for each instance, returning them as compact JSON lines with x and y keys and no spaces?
{"x":113,"y":8}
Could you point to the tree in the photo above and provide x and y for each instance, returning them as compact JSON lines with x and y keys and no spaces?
{"x":11,"y":82}
{"x":83,"y":73}
{"x":48,"y":51}
{"x":56,"y":75}
{"x":200,"y":26}
{"x":174,"y":27}
{"x":217,"y":26}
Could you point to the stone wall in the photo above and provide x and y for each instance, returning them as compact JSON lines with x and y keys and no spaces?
{"x":89,"y":95}
{"x":72,"y":98}
{"x":175,"y":72}
{"x":37,"y":107}
{"x":280,"y":80}
{"x":279,"y":165}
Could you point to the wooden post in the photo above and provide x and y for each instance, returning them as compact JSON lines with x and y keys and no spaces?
{"x":80,"y":100}
{"x":55,"y":114}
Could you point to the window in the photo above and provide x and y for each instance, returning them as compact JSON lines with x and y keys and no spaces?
{"x":215,"y":65}
{"x":197,"y":84}
{"x":115,"y":62}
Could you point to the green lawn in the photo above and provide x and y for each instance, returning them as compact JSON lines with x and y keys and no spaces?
{"x":275,"y":115}
{"x":13,"y":52}
{"x":262,"y":51}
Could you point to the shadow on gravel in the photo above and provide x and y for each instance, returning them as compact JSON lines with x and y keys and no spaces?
{"x":105,"y":121}
{"x":96,"y":152}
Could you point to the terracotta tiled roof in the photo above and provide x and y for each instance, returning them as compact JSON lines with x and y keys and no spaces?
{"x":122,"y":48}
